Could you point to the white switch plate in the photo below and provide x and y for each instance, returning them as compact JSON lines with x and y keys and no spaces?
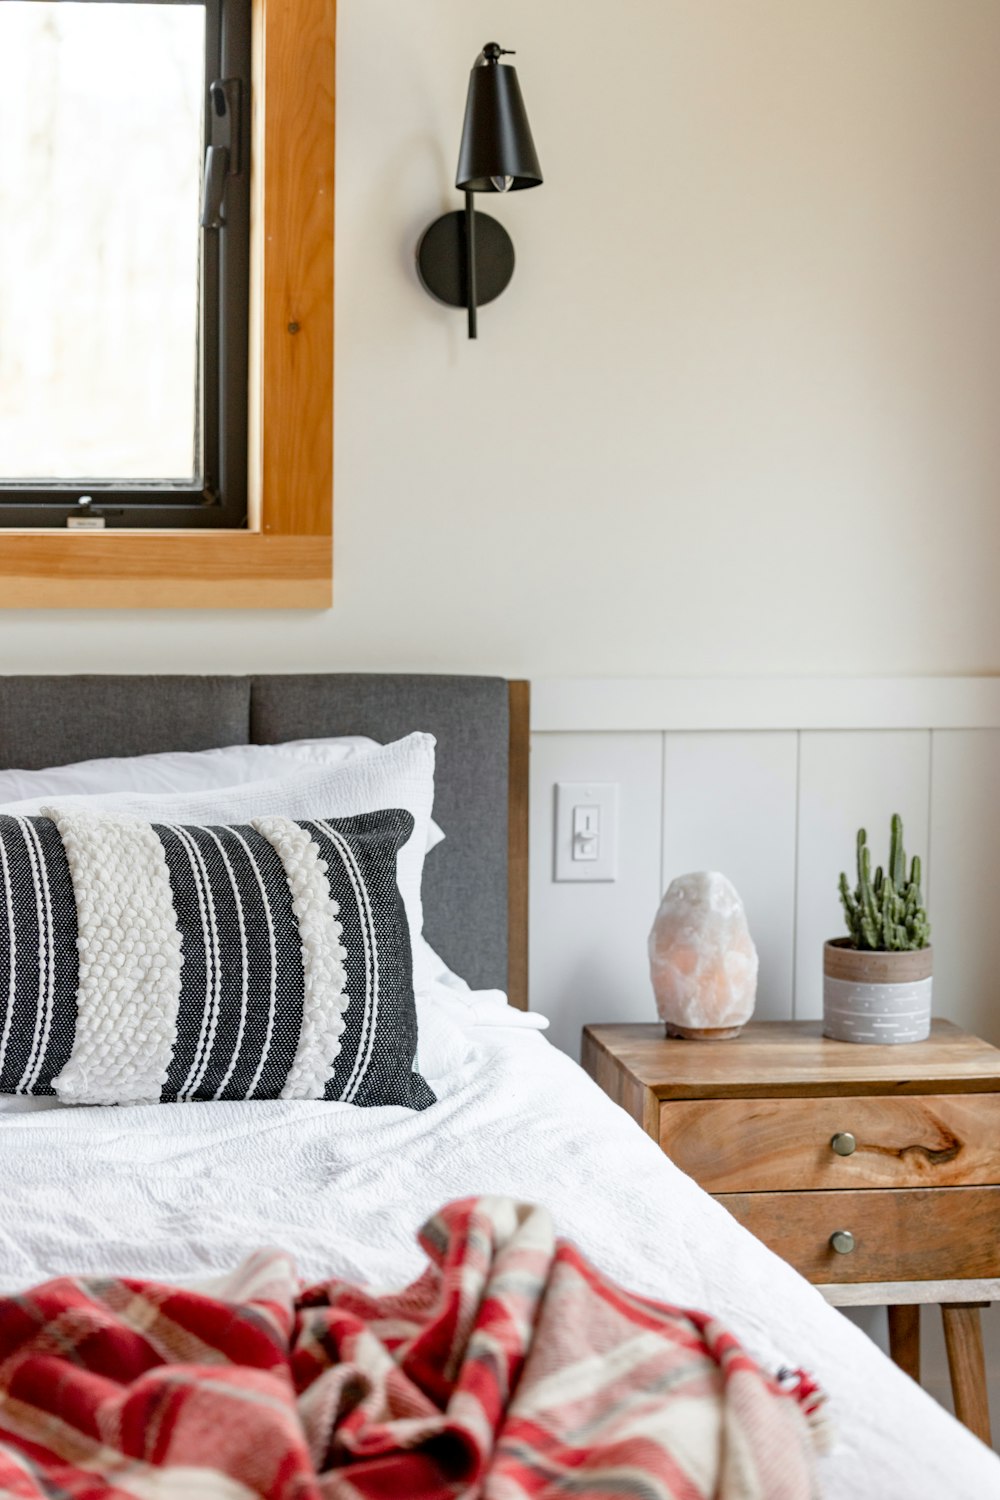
{"x":586,"y":830}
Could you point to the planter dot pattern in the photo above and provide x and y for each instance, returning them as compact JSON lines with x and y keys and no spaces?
{"x":880,"y":1013}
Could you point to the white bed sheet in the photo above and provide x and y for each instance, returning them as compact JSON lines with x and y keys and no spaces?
{"x":183,"y":1191}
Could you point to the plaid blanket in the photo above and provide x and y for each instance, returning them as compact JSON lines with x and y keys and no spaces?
{"x":510,"y":1369}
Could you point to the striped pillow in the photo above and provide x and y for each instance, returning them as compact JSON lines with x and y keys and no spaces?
{"x":146,"y":961}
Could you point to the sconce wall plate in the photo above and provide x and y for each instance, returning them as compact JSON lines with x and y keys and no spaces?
{"x":441,"y":259}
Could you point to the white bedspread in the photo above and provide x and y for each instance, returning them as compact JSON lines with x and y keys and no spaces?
{"x":179,"y":1191}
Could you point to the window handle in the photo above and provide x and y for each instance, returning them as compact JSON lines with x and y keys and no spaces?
{"x":214,"y":192}
{"x":222,"y":157}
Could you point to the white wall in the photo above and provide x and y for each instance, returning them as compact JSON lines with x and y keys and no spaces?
{"x":736,"y":413}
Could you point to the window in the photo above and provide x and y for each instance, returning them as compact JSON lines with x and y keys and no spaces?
{"x":124,"y":261}
{"x":282,"y":558}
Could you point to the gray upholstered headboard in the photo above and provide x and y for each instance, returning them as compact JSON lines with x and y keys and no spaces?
{"x":48,"y":721}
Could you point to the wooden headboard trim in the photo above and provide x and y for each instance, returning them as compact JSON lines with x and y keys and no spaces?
{"x":517,"y":844}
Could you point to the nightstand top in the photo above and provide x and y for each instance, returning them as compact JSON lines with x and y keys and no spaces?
{"x":773,"y":1058}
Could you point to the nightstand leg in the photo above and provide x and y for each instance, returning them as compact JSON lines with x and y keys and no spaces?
{"x":904,"y":1338}
{"x":963,"y":1337}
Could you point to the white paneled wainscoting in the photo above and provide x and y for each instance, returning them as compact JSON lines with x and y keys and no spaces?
{"x":768,"y":781}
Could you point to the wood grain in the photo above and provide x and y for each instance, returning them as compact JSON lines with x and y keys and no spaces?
{"x":284,"y":561}
{"x":296,"y":264}
{"x":900,"y":1235}
{"x":782,"y":1059}
{"x":963,"y":1338}
{"x":518,"y":762}
{"x":620,"y":1085}
{"x":745,"y":1146}
{"x":758,"y":1114}
{"x":162,"y":570}
{"x":904,"y":1338}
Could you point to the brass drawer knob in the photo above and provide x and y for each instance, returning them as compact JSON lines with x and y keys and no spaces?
{"x":843,"y":1143}
{"x":842,"y":1240}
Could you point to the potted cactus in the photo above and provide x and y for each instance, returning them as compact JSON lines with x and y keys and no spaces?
{"x":877,"y":981}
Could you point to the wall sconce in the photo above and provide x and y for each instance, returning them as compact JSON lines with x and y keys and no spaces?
{"x":466,"y":259}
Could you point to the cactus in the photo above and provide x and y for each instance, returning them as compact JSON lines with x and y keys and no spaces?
{"x":886,"y":912}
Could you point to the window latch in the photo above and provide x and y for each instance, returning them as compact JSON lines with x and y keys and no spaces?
{"x":222,"y":157}
{"x":87,"y":517}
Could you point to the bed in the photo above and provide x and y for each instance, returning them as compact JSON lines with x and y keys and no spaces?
{"x":178,"y":1192}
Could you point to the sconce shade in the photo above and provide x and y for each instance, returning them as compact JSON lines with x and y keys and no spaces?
{"x":496,"y":137}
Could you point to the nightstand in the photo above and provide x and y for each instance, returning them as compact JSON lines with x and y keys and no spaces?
{"x":875,"y":1171}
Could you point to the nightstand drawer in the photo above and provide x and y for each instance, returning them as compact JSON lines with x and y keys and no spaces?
{"x":908,"y":1235}
{"x":761,"y":1145}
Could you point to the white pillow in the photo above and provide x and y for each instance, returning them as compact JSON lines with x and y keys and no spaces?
{"x":396,"y":775}
{"x":186,"y":771}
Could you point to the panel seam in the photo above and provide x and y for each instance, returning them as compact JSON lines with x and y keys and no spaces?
{"x":795,"y":874}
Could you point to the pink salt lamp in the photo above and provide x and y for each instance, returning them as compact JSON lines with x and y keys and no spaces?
{"x":702,"y":959}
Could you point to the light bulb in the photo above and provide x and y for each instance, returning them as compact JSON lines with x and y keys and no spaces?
{"x":502,"y":184}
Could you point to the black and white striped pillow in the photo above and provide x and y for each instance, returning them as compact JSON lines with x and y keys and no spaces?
{"x":143,"y":962}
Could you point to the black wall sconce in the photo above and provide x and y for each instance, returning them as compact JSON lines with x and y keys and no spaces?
{"x":466,"y":259}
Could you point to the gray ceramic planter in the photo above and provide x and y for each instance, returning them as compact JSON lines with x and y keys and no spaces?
{"x":876,"y":997}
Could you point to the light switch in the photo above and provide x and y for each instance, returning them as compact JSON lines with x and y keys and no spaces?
{"x":586,"y":830}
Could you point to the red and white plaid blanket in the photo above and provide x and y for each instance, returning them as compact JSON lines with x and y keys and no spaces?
{"x":510,"y":1369}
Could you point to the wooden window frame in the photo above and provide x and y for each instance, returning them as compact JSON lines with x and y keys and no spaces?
{"x":283,"y":560}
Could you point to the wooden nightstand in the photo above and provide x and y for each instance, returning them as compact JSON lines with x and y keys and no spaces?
{"x":875,"y":1171}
